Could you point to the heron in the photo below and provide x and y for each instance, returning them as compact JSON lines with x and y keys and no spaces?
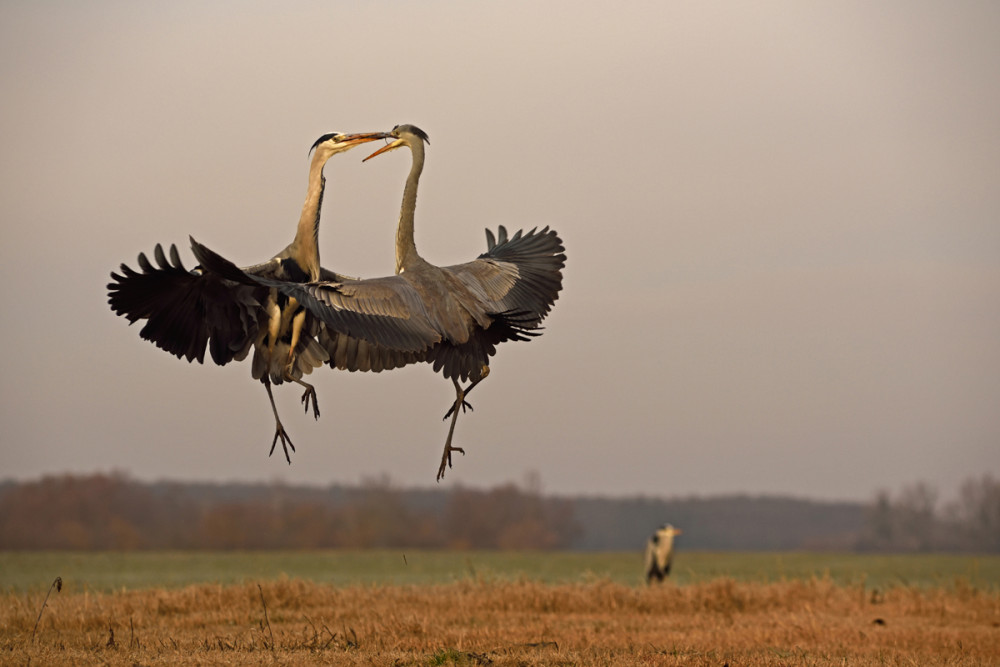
{"x":185,"y":311}
{"x":461,"y":312}
{"x":502,"y":295}
{"x":660,"y":552}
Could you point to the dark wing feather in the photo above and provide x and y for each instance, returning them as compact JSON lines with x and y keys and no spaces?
{"x":515,"y":283}
{"x":519,"y":275}
{"x":465,"y":360}
{"x":328,"y":276}
{"x":186,"y":311}
{"x":352,"y":354}
{"x":386,"y":312}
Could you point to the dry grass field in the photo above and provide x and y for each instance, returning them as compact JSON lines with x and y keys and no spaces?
{"x":489,"y":622}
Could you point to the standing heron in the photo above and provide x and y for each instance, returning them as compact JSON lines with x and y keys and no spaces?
{"x":223,"y":309}
{"x":660,"y":553}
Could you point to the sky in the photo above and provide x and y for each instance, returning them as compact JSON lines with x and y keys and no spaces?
{"x":781,"y":221}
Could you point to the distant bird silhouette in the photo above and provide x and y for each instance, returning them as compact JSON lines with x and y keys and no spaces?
{"x":230,"y":310}
{"x":660,"y":553}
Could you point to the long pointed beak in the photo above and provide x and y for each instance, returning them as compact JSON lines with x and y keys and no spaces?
{"x":385,"y":149}
{"x":363,"y":138}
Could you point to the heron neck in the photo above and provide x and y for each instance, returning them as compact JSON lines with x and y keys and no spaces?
{"x":406,"y":247}
{"x":307,"y":234}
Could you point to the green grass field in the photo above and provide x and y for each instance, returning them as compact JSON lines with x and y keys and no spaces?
{"x":112,"y":571}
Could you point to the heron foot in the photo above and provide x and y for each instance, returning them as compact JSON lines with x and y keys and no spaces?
{"x":461,"y":393}
{"x":465,"y":405}
{"x":310,"y":392}
{"x":446,"y":459}
{"x":286,"y":442}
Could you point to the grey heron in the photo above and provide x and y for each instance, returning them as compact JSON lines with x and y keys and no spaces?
{"x":451,"y":317}
{"x":503,"y":295}
{"x":229,"y":311}
{"x":660,"y":552}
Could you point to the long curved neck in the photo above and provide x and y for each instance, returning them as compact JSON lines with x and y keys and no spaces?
{"x":306,"y":243}
{"x":406,"y":247}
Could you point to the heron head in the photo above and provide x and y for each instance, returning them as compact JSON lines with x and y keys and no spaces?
{"x":668,"y":528}
{"x":404,"y":135}
{"x":337,"y":142}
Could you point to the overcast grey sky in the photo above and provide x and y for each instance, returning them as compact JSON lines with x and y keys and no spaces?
{"x":781,"y":223}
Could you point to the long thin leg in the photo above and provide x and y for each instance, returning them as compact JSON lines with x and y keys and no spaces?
{"x":463,"y":403}
{"x":448,"y":449}
{"x":279,"y":431}
{"x":297,"y":321}
{"x":465,"y":392}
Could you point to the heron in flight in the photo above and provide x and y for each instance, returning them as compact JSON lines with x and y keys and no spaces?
{"x":502,"y":295}
{"x":452,"y":317}
{"x":231,"y":310}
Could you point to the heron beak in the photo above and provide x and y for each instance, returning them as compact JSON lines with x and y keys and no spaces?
{"x":388,"y":147}
{"x":362,"y":138}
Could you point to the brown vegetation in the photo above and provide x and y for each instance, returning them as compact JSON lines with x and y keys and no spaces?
{"x":508,"y":623}
{"x":101,"y":512}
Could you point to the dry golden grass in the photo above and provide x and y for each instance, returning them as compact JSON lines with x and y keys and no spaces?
{"x":507,"y":623}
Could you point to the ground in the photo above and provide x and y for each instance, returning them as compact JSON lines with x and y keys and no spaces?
{"x":492,"y":622}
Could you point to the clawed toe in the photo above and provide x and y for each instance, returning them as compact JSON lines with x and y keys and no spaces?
{"x":286,"y":442}
{"x":446,"y":460}
{"x":310,"y":394}
{"x":465,"y":406}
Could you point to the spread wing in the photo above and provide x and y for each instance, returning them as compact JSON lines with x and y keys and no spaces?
{"x":385,"y":312}
{"x":187,"y":311}
{"x":519,"y":275}
{"x":514,"y":285}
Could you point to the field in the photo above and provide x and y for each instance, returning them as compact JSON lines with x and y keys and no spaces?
{"x":114,"y":571}
{"x":430,"y":608}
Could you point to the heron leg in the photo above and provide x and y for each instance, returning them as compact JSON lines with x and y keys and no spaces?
{"x":279,"y":430}
{"x":448,"y":449}
{"x":465,"y":392}
{"x":465,"y":405}
{"x":297,"y":321}
{"x":273,"y":322}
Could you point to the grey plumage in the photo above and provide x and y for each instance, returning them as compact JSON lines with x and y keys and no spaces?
{"x":502,"y":295}
{"x":290,"y":308}
{"x":659,"y":556}
{"x":229,"y":309}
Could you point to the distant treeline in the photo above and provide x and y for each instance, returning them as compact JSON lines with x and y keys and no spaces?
{"x":112,"y":511}
{"x":115,"y":512}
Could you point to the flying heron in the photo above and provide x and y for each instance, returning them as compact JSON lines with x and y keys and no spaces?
{"x":230,"y":310}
